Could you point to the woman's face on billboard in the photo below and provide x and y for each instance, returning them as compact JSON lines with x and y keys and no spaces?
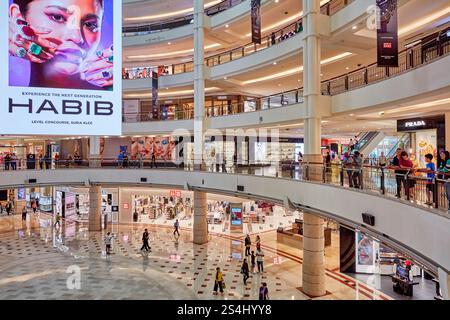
{"x":75,"y":23}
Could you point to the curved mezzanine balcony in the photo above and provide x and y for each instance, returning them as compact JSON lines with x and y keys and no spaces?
{"x":421,"y":71}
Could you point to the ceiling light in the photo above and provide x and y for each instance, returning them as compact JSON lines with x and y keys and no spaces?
{"x":351,"y":114}
{"x":225,"y":78}
{"x":169,"y":43}
{"x":276,"y":1}
{"x":274,"y":63}
{"x":170,"y":14}
{"x":347,"y":68}
{"x":165,"y":54}
{"x":355,"y":27}
{"x":227,"y":25}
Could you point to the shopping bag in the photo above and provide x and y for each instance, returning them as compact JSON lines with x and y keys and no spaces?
{"x":223,"y":285}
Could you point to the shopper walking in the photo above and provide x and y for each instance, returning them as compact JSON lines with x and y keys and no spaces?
{"x":8,"y":207}
{"x":218,"y":281}
{"x":260,"y":259}
{"x":58,"y":220}
{"x":248,"y":243}
{"x":253,"y":260}
{"x":245,"y":271}
{"x":258,"y":241}
{"x":444,"y":169}
{"x":108,"y":242}
{"x":24,"y":213}
{"x":263,"y":292}
{"x":34,"y":206}
{"x":176,"y":227}
{"x":145,"y":238}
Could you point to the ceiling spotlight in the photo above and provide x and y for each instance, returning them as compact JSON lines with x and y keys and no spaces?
{"x":355,"y":27}
{"x":225,"y":78}
{"x":227,"y":25}
{"x":347,"y":68}
{"x":276,"y":1}
{"x":169,"y":43}
{"x":274,"y":63}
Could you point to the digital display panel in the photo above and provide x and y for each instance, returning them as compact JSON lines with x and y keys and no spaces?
{"x":60,"y":58}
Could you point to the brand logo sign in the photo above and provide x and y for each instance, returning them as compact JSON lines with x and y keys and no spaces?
{"x":413,"y":124}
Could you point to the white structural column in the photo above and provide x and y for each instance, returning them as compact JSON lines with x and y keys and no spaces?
{"x":94,"y":151}
{"x":313,"y":256}
{"x":311,"y":80}
{"x":447,"y":131}
{"x":200,"y":218}
{"x":313,"y":269}
{"x":199,"y":82}
{"x":444,"y":282}
{"x":95,"y":208}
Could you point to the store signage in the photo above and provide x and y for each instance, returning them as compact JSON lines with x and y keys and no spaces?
{"x":256,"y":21}
{"x":126,"y":206}
{"x":71,"y":90}
{"x":420,"y":123}
{"x":175,"y":193}
{"x":387,"y":33}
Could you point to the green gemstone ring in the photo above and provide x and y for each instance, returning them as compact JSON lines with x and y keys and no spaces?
{"x":35,"y":49}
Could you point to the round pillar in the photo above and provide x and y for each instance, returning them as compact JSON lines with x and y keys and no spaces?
{"x":200,"y":229}
{"x":95,"y":208}
{"x":313,"y":256}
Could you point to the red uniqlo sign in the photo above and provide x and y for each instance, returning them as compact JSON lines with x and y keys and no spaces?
{"x":126,"y":205}
{"x":175,"y":193}
{"x":387,"y":45}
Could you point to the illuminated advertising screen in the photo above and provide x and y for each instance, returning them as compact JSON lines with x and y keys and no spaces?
{"x":236,"y":216}
{"x":59,"y":58}
{"x":21,"y":194}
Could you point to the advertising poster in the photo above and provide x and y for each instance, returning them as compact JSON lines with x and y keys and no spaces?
{"x":21,"y":195}
{"x":155,"y":94}
{"x":387,"y":33}
{"x":70,"y":210}
{"x":163,"y":147}
{"x":426,"y":141}
{"x":130,"y":110}
{"x":59,"y":67}
{"x":256,"y":21}
{"x":366,"y":253}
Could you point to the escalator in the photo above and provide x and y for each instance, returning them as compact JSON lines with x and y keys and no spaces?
{"x":402,"y":143}
{"x":368,"y":141}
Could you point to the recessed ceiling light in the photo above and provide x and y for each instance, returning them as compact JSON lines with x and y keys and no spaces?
{"x":169,"y":43}
{"x":279,"y":84}
{"x":276,"y":1}
{"x":274,"y":63}
{"x":321,"y":74}
{"x":351,"y":114}
{"x":355,"y":27}
{"x":347,"y":68}
{"x":227,"y":25}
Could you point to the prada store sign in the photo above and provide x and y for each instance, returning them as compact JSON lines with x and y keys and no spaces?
{"x":419,"y":123}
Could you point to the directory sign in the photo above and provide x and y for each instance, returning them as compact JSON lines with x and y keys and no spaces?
{"x":236,"y":217}
{"x":58,"y":59}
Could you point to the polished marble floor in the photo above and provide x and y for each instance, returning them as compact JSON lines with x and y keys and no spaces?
{"x":36,"y":261}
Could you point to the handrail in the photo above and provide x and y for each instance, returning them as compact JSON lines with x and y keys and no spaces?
{"x":171,"y":23}
{"x":278,"y":36}
{"x":409,"y":184}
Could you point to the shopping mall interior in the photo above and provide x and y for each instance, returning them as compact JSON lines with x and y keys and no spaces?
{"x":318,"y":129}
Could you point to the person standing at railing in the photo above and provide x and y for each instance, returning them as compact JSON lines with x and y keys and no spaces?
{"x":120,"y":159}
{"x":14,"y":162}
{"x":357,"y":166}
{"x":430,"y":169}
{"x":444,"y":168}
{"x":382,"y":161}
{"x":406,"y":163}
{"x":399,"y":174}
{"x":7,"y":161}
{"x":347,"y":163}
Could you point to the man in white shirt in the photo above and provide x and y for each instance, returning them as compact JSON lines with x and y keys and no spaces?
{"x":108,"y":241}
{"x":260,"y":259}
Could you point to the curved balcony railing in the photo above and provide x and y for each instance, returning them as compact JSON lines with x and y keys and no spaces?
{"x":159,"y":26}
{"x":412,"y":185}
{"x":268,"y":40}
{"x":409,"y":59}
{"x":184,"y":112}
{"x":435,"y":47}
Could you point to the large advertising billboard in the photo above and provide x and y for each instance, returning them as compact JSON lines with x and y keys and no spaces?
{"x":387,"y":33}
{"x":58,"y":59}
